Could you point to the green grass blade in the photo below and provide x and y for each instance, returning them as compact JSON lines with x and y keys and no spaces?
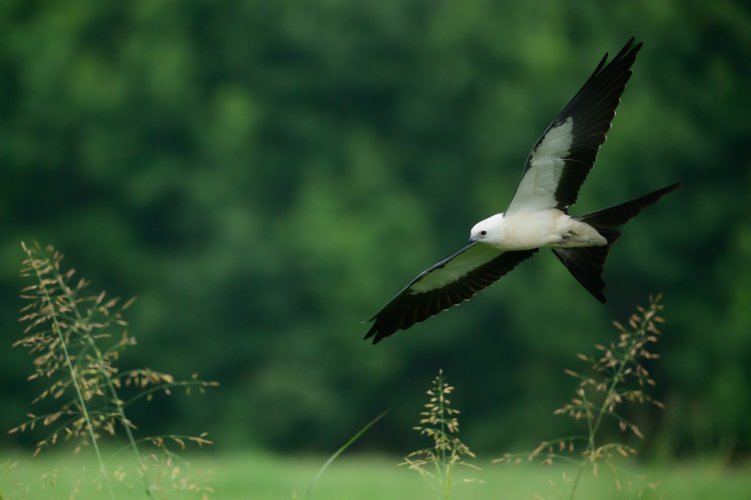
{"x":341,"y":450}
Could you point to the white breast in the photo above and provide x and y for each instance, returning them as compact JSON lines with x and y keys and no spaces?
{"x":527,"y":230}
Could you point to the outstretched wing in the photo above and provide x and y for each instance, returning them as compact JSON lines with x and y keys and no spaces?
{"x":566,"y":152}
{"x":447,"y":283}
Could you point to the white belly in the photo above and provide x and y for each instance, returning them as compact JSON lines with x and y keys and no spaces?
{"x":546,"y":228}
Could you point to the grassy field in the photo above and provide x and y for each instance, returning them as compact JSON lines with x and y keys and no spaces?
{"x":267,"y":477}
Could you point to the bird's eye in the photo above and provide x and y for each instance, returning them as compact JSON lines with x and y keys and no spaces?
{"x":483,"y":233}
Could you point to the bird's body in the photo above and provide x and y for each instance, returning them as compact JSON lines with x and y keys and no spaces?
{"x":537,"y":216}
{"x":542,"y":228}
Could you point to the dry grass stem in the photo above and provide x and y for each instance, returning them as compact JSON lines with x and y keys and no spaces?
{"x":75,"y":340}
{"x":440,"y":422}
{"x":617,"y":374}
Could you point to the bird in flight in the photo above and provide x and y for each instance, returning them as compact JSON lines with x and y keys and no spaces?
{"x":537,"y":216}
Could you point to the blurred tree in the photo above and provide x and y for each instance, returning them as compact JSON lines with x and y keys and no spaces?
{"x":264,"y":175}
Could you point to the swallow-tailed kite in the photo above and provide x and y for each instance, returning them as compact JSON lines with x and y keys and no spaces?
{"x":538,"y":214}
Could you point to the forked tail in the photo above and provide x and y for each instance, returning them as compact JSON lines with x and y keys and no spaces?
{"x":586,"y":264}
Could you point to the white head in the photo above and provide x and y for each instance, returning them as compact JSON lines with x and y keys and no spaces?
{"x":488,"y":231}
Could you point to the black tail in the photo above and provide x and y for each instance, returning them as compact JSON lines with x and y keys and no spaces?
{"x":586,"y":264}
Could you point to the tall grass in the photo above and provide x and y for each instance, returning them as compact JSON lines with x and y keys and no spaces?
{"x":76,"y":340}
{"x":440,"y":423}
{"x":617,"y":374}
{"x":341,"y":450}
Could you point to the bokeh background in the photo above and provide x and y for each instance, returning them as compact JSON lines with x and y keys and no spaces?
{"x":264,"y":176}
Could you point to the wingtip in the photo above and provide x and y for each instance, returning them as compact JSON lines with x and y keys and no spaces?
{"x":376,"y":333}
{"x":377,"y":337}
{"x":629,"y":50}
{"x":370,"y":333}
{"x":667,"y":189}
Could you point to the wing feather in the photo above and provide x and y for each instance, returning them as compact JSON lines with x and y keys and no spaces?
{"x":443,"y":285}
{"x":565,"y":153}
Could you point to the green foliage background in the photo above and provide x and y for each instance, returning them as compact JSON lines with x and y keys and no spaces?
{"x":265,"y":175}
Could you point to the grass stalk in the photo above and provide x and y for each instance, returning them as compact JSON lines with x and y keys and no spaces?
{"x":625,"y":359}
{"x":73,"y":374}
{"x":440,"y":423}
{"x":124,"y":421}
{"x":341,"y":450}
{"x":74,"y":341}
{"x":618,"y":375}
{"x":107,"y":376}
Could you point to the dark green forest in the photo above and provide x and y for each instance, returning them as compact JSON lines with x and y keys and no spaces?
{"x":264,"y":175}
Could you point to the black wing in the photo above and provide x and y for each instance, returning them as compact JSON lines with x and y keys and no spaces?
{"x":447,"y":283}
{"x":561,"y":159}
